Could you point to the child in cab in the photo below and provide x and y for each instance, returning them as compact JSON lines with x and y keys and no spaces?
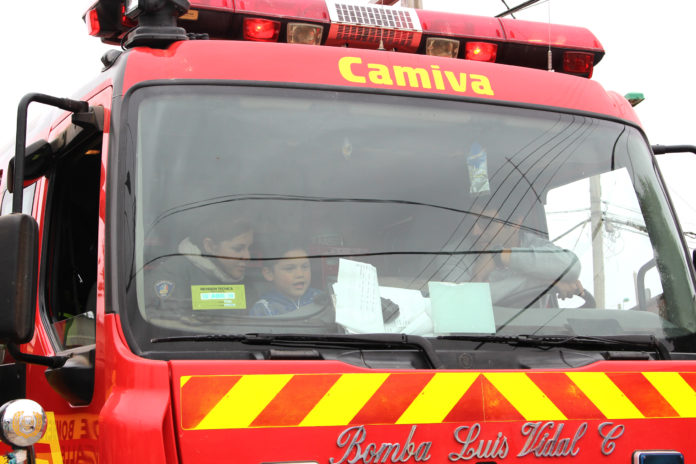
{"x":291,"y":277}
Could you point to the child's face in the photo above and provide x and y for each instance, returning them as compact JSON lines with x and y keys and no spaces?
{"x":290,"y":276}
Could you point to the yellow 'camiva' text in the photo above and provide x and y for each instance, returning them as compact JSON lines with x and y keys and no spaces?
{"x":353,"y":70}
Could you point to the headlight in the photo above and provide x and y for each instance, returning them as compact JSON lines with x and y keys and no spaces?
{"x":22,"y":423}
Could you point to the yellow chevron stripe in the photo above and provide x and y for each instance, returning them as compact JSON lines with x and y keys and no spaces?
{"x":525,"y":396}
{"x":344,"y":400}
{"x":605,"y":395}
{"x":675,"y":390}
{"x":184,"y":380}
{"x":245,"y":400}
{"x":438,"y":398}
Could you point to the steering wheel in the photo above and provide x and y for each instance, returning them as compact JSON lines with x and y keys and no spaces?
{"x":526,"y":295}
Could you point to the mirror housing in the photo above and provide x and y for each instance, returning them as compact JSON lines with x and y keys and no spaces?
{"x":662,"y":149}
{"x":19,"y":239}
{"x":38,"y":160}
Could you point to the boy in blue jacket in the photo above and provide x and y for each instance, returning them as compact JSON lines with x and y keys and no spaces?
{"x":291,"y":276}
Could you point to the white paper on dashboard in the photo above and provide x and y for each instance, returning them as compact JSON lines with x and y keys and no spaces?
{"x":358,"y":305}
{"x":412,"y":318}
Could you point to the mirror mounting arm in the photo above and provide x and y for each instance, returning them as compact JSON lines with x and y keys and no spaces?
{"x":75,"y":106}
{"x":50,"y":361}
{"x":662,"y":149}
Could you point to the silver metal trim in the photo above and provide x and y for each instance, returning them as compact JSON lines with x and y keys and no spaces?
{"x":388,"y":17}
{"x":22,"y":422}
{"x":638,"y":454}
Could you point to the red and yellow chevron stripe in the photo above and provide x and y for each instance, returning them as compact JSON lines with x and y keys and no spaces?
{"x":304,"y":400}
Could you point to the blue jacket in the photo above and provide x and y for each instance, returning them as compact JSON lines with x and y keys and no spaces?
{"x":275,"y":303}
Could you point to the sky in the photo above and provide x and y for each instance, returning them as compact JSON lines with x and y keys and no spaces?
{"x":648,"y":46}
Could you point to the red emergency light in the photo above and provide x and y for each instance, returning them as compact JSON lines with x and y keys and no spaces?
{"x":574,"y":50}
{"x":481,"y":51}
{"x":125,"y":20}
{"x":578,"y":63}
{"x":92,"y":21}
{"x":261,"y":30}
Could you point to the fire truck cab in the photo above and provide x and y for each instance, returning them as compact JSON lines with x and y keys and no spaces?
{"x":324,"y":232}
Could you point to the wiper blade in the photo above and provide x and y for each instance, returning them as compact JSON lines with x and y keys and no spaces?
{"x":375,"y":341}
{"x":649,"y":342}
{"x":200,"y":338}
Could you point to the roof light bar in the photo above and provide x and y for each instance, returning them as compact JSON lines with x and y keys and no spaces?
{"x":536,"y":33}
{"x":463,"y":26}
{"x":373,"y":26}
{"x":515,"y":42}
{"x":223,"y":5}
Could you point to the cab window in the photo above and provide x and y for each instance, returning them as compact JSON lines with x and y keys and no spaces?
{"x":27,"y":201}
{"x":70,"y":246}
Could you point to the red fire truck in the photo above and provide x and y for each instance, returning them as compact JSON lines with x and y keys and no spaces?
{"x":311,"y":231}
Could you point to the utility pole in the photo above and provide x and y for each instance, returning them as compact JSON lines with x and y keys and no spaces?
{"x":597,"y":231}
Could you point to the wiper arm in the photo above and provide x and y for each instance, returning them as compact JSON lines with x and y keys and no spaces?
{"x":378,"y":341}
{"x":649,"y":342}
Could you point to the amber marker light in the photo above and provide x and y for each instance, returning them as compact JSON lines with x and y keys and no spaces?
{"x":436,"y":46}
{"x":303,"y":33}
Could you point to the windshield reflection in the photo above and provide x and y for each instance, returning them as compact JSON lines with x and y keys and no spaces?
{"x":296,"y":211}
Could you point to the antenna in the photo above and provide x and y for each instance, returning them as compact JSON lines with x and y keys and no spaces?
{"x":549,"y":57}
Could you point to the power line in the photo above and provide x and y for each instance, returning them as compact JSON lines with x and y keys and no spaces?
{"x":508,"y":7}
{"x":517,"y":8}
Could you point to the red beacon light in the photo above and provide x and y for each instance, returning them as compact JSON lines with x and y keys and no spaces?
{"x":261,"y":30}
{"x":481,"y":51}
{"x":578,"y":63}
{"x":92,"y":21}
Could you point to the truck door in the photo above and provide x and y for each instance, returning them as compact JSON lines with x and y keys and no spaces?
{"x":70,"y":211}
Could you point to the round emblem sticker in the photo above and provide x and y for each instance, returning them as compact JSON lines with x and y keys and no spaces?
{"x":164,"y":288}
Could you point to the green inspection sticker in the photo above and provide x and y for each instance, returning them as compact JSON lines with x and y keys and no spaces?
{"x":218,"y":297}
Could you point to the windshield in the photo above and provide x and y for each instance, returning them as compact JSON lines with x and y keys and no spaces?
{"x":292,"y":211}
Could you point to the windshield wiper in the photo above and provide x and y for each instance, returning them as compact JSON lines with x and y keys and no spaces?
{"x":338,"y":341}
{"x":630,"y":342}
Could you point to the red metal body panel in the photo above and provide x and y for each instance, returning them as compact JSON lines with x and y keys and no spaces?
{"x":479,"y":28}
{"x":282,"y":63}
{"x":588,"y":435}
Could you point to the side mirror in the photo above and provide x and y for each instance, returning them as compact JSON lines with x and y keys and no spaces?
{"x":38,"y":160}
{"x":19,"y":241}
